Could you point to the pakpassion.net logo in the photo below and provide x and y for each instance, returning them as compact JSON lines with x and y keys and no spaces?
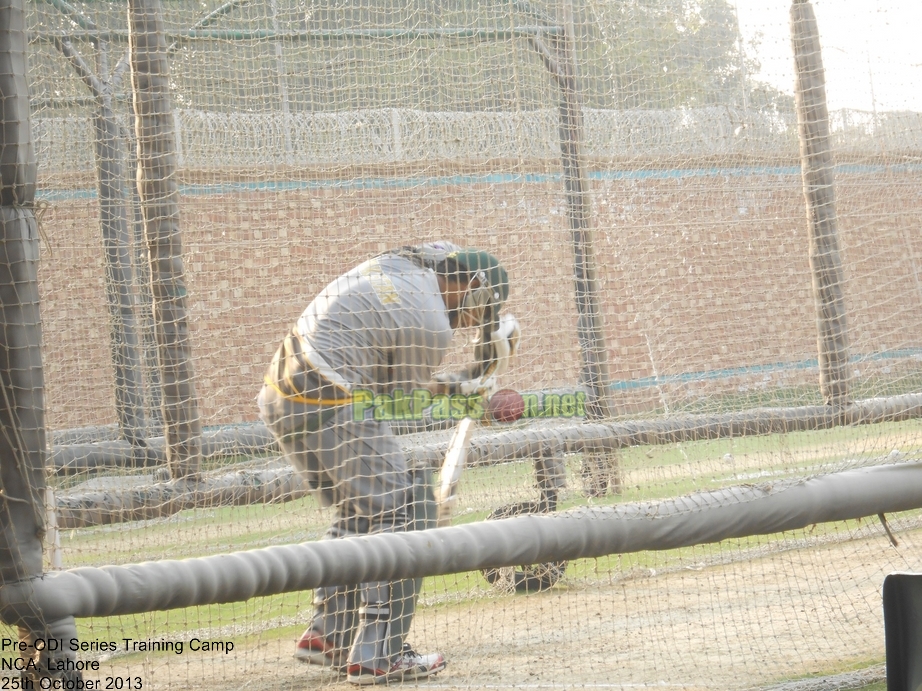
{"x":505,"y":405}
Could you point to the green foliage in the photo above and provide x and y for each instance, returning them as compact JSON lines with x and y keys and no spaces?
{"x":665,"y":54}
{"x":470,"y":55}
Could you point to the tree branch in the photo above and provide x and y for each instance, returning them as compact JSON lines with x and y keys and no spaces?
{"x":73,"y":14}
{"x":121,"y":68}
{"x":83,"y":69}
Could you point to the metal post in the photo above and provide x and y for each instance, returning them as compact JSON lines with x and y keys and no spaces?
{"x":23,"y":448}
{"x":559,"y":60}
{"x":600,"y":469}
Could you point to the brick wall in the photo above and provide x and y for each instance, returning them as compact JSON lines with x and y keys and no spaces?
{"x":704,"y":276}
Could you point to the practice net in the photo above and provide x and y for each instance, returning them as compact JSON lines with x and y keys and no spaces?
{"x":655,"y":141}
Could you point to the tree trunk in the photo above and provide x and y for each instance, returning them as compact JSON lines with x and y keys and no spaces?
{"x":117,"y":248}
{"x":159,"y":195}
{"x":820,"y":194}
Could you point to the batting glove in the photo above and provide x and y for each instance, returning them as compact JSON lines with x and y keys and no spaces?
{"x":505,"y":341}
{"x":485,"y":387}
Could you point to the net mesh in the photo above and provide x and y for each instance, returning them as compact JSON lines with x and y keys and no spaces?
{"x":310,"y":137}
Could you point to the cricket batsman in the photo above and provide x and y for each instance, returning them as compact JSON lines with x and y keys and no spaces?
{"x":384,"y":326}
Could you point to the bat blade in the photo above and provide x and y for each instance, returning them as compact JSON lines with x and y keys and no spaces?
{"x":455,"y":460}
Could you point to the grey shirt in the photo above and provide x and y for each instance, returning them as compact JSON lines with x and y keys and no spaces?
{"x":382,"y":326}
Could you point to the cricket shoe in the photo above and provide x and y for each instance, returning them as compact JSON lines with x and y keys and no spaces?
{"x":409,"y":665}
{"x":314,"y":649}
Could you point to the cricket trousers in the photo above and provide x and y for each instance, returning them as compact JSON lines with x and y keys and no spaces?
{"x":357,"y":468}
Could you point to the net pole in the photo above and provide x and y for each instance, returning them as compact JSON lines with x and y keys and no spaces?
{"x":22,"y":411}
{"x":600,"y":470}
{"x":159,"y":195}
{"x":22,"y":443}
{"x":819,"y":193}
{"x":558,"y":59}
{"x":282,"y":84}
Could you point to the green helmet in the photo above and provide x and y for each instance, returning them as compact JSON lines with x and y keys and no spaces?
{"x":476,"y":262}
{"x":489,"y":270}
{"x":484,"y":301}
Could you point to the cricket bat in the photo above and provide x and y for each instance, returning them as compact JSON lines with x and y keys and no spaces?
{"x":455,"y":460}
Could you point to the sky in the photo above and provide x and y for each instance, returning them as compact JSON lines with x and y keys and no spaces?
{"x":872,"y":51}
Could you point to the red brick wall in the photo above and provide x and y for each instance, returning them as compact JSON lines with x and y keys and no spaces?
{"x":698,"y":272}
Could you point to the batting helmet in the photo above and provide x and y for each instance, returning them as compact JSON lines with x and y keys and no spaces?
{"x":483,"y":301}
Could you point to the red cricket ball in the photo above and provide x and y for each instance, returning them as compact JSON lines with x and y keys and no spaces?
{"x":506,"y":405}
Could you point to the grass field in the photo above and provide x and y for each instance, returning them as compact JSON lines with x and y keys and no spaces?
{"x":647,"y":474}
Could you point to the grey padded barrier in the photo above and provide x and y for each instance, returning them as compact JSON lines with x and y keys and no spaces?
{"x":579,"y":533}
